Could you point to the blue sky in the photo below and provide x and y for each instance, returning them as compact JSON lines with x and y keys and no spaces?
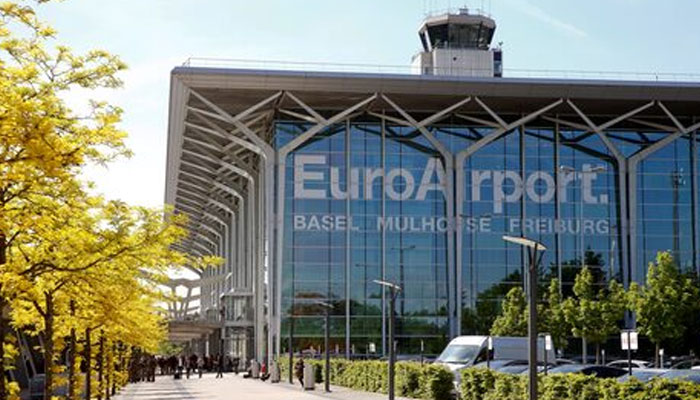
{"x":153,"y":36}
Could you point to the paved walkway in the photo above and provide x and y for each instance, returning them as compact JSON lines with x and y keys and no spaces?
{"x":233,"y":387}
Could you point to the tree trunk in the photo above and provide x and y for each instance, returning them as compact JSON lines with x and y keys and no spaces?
{"x":48,"y":346}
{"x":109,"y":372}
{"x":88,"y":365}
{"x":584,"y":351}
{"x":597,"y":353}
{"x":114,"y":369}
{"x":3,"y":332}
{"x":100,"y":372}
{"x":3,"y":321}
{"x":656,"y":355}
{"x":71,"y":357}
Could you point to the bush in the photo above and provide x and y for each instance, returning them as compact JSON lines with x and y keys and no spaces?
{"x":484,"y":384}
{"x":413,"y":380}
{"x":435,"y":382}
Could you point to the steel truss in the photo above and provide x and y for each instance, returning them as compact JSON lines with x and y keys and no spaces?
{"x":229,"y":171}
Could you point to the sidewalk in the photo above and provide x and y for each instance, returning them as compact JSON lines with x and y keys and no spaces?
{"x":232,"y":386}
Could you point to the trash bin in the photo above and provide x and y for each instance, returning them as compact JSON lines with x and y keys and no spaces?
{"x":275,"y":372}
{"x":309,"y":377}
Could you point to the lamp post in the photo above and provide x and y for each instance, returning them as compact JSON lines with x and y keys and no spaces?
{"x":327,"y":375}
{"x":401,"y":250}
{"x":394,"y":290}
{"x":534,"y":259}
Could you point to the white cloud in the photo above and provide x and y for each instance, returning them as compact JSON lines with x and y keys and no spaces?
{"x":540,"y":14}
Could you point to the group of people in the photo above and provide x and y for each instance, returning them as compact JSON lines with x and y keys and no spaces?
{"x":194,"y":364}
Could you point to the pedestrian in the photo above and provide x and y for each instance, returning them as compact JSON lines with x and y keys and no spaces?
{"x":236,"y":363}
{"x":200,"y":366}
{"x":220,"y":366}
{"x":299,"y":370}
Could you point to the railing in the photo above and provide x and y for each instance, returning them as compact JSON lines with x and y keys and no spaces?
{"x":456,"y":11}
{"x":303,"y":66}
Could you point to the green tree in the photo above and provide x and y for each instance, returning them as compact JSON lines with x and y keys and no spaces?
{"x":554,"y":320}
{"x":663,"y":303}
{"x":513,"y":318}
{"x":594,"y":315}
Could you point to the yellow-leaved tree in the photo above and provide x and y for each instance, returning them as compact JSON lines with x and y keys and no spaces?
{"x":43,"y":143}
{"x":89,"y":259}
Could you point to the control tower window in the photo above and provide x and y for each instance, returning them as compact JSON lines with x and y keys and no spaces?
{"x":438,"y":36}
{"x":470,"y":36}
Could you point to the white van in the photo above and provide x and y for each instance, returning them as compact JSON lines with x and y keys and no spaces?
{"x":466,"y":351}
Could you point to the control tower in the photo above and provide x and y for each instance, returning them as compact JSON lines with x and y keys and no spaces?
{"x":458,"y":45}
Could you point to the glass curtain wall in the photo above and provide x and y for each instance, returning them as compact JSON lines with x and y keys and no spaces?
{"x":391,"y":226}
{"x":364,"y":201}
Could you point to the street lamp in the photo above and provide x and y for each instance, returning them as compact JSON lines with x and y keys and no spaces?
{"x":327,"y":377}
{"x":222,"y":313}
{"x":394,"y":289}
{"x":534,"y":259}
{"x":401,"y":250}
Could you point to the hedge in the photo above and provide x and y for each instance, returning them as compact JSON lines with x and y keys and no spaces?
{"x":485,"y":384}
{"x":413,"y":380}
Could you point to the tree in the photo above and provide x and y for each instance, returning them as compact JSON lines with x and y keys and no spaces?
{"x":555,"y":322}
{"x":478,"y":320}
{"x":513,"y":318}
{"x":43,"y":143}
{"x":93,"y":253}
{"x":662,"y":304}
{"x":594,"y":315}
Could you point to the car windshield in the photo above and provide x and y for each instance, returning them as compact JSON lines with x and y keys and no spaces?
{"x":459,"y":353}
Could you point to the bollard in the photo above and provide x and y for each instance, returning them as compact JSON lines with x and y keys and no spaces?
{"x":309,"y":377}
{"x":275,"y":372}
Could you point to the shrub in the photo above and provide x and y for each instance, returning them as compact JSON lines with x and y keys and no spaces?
{"x":413,"y":380}
{"x":435,"y":382}
{"x":484,"y":384}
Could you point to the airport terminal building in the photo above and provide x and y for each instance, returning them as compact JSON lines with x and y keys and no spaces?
{"x":313,"y":184}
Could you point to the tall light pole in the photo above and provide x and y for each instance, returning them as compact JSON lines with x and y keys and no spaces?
{"x":327,"y":376}
{"x":222,"y":313}
{"x":401,"y":250}
{"x":394,"y":290}
{"x":570,"y":170}
{"x":534,"y":258}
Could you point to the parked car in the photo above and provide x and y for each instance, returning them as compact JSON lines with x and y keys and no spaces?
{"x":686,"y":364}
{"x":467,"y":351}
{"x":642,"y":374}
{"x":564,"y":361}
{"x":624,"y":364}
{"x":682,"y":374}
{"x":600,"y":371}
{"x":514,"y":369}
{"x":498,"y":364}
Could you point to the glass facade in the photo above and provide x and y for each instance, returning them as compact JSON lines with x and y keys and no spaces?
{"x":368,"y":200}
